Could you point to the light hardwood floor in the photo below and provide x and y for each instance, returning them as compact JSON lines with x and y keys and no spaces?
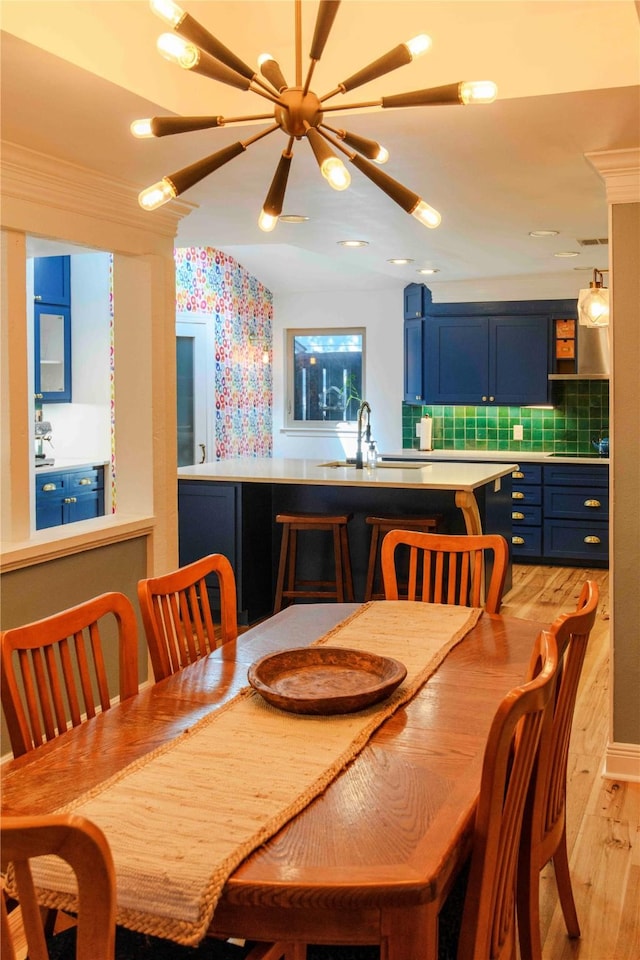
{"x":603,"y":816}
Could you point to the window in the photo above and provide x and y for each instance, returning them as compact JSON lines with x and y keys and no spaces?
{"x":325,"y":376}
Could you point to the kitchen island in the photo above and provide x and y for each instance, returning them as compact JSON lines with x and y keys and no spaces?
{"x":229,"y":507}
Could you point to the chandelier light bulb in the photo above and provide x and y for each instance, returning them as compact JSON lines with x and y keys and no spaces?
{"x":418,"y":45}
{"x":141,"y":129}
{"x":382,"y":156}
{"x":426,"y":214}
{"x":478,"y":91}
{"x":168,"y":11}
{"x":157,"y":195}
{"x":264,"y":58}
{"x":177,"y":50}
{"x":266,"y":221}
{"x":335,"y":172}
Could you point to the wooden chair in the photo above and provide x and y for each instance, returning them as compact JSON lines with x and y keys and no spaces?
{"x":381,"y":526}
{"x":177,"y":615}
{"x":53,"y":670}
{"x":446,"y":568}
{"x":545,"y":834}
{"x":521,"y":724}
{"x":83,"y":846}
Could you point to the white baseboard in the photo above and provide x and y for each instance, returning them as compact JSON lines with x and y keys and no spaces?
{"x":622,"y":762}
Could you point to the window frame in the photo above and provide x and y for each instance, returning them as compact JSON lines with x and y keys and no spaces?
{"x":330,"y":427}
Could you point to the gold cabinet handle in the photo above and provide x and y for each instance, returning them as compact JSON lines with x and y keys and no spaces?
{"x":592,"y":539}
{"x":517,"y":495}
{"x":518,"y":541}
{"x":518,"y":475}
{"x":517,"y":516}
{"x":592,"y":503}
{"x":70,"y":500}
{"x":48,"y":487}
{"x":37,"y":297}
{"x":85,"y":482}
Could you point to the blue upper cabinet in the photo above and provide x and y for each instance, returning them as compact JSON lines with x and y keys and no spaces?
{"x":52,"y":329}
{"x":52,"y":280}
{"x":415,"y":297}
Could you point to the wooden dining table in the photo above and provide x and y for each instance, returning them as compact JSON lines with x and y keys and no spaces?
{"x":370,"y":860}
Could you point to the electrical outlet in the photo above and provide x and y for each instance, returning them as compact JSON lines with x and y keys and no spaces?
{"x":518,"y":431}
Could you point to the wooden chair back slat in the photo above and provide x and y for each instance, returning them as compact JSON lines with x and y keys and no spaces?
{"x":521,"y":723}
{"x":446,"y":568}
{"x":544,"y":837}
{"x":51,"y":668}
{"x":83,"y":846}
{"x":179,"y":623}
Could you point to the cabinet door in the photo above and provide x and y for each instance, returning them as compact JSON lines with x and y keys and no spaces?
{"x":413,"y":348}
{"x":52,"y":353}
{"x":51,"y":280}
{"x":518,"y":359}
{"x":413,"y":300}
{"x":456,"y":354}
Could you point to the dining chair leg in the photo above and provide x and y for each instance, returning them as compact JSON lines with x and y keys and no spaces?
{"x":563,"y":883}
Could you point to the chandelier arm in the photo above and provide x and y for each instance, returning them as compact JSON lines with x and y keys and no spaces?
{"x":298,"y":40}
{"x":270,"y":69}
{"x":259,"y":136}
{"x":181,"y":180}
{"x":334,"y":142}
{"x":167,"y":126}
{"x":368,"y":148}
{"x":268,"y":96}
{"x":275,"y":197}
{"x":307,"y":82}
{"x":189,"y":28}
{"x":327,"y":10}
{"x":465,"y":92}
{"x":399,"y":56}
{"x":269,"y":87}
{"x":351,"y":106}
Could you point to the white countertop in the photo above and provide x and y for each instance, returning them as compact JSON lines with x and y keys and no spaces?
{"x":69,"y":463}
{"x":494,"y":456}
{"x":433,"y":476}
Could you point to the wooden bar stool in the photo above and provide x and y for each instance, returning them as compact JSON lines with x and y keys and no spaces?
{"x":341,"y":588}
{"x":381,"y":526}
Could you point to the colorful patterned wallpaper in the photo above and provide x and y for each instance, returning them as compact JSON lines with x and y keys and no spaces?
{"x":211,"y":282}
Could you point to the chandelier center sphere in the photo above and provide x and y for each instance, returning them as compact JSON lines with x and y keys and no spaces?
{"x":299,"y":110}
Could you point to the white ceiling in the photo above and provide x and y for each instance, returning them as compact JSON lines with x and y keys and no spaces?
{"x":76,"y":73}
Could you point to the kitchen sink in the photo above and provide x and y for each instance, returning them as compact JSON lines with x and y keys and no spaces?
{"x":382,"y":464}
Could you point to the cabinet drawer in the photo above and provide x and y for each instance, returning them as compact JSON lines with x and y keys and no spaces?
{"x":573,"y":540}
{"x":527,"y":473}
{"x":577,"y":475}
{"x":582,"y":504}
{"x":527,"y":542}
{"x":522,"y":495}
{"x":85,"y":480}
{"x":526,"y":515}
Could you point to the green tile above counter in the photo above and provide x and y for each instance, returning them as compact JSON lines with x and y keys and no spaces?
{"x":580,"y":414}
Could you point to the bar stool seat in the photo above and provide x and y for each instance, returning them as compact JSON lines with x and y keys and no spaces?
{"x":381,"y":526}
{"x":341,"y":587}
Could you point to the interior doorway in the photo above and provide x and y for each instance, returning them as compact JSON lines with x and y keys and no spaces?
{"x":195,"y":390}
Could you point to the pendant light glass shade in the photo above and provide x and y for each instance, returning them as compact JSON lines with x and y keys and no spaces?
{"x":593,"y":304}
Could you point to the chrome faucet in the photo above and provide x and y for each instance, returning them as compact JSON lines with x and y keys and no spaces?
{"x":363,"y":406}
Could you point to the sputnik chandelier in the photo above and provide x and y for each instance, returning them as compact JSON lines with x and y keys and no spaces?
{"x":297,"y":111}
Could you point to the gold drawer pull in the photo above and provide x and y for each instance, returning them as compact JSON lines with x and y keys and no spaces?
{"x":518,"y":541}
{"x":518,"y":475}
{"x":592,"y":503}
{"x":48,"y":487}
{"x":70,"y":500}
{"x":592,"y":539}
{"x":517,"y":516}
{"x":516,"y":495}
{"x":85,"y":482}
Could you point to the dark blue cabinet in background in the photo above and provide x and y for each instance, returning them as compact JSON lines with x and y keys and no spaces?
{"x":64,"y":496}
{"x":52,"y":280}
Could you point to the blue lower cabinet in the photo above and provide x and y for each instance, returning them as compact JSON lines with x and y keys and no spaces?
{"x":576,"y":540}
{"x":526,"y":542}
{"x":526,"y":512}
{"x":66,"y":496}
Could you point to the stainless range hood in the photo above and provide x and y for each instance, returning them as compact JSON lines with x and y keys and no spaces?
{"x":593,"y":355}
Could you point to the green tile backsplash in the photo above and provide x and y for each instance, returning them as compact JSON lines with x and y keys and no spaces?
{"x":580,"y":413}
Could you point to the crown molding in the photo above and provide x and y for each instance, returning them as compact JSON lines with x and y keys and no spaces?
{"x":620,"y":170}
{"x":37,"y":178}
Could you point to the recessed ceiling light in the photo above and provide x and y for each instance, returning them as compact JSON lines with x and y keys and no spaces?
{"x":292,"y":218}
{"x":566,"y":253}
{"x":352,"y":243}
{"x":400,"y":261}
{"x":543,"y":233}
{"x":428,"y":270}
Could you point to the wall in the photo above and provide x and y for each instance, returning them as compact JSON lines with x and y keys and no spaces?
{"x":580,"y":414}
{"x":380,"y":312}
{"x":212,"y":283}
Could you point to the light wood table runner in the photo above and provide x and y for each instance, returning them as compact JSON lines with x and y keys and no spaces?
{"x":181,"y":819}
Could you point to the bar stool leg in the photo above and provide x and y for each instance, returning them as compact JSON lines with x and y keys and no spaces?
{"x":346,"y":562}
{"x":373,"y":561}
{"x":284,"y":548}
